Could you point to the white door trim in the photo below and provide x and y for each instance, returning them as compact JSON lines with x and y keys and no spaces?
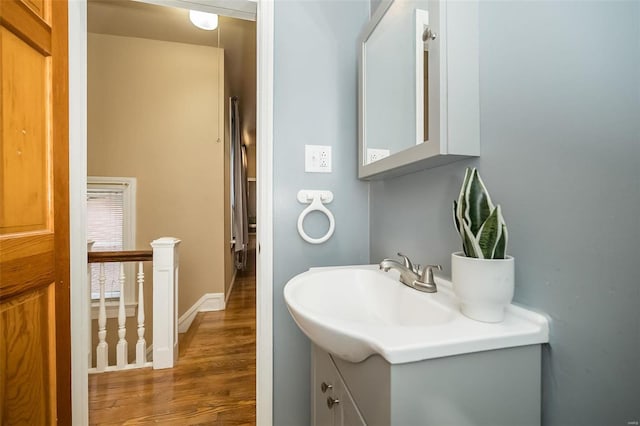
{"x":264,"y":248}
{"x":80,"y":303}
{"x":80,"y":331}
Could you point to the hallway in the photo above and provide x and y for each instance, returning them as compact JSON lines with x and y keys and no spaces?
{"x":213,"y":382}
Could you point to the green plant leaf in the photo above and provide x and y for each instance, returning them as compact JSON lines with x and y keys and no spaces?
{"x":455,"y":217}
{"x":457,"y":223}
{"x":489,"y":234}
{"x":501,"y":245}
{"x":469,"y":243}
{"x":462,"y":203}
{"x":478,"y":203}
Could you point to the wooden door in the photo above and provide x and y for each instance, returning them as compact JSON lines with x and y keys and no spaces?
{"x":35,"y":379}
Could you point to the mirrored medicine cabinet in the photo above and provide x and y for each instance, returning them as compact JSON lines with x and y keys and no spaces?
{"x":418,"y":87}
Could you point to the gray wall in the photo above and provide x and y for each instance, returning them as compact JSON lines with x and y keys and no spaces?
{"x":315,"y":96}
{"x":560,"y":132}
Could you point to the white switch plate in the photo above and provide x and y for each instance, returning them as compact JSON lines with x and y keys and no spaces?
{"x":317,"y":159}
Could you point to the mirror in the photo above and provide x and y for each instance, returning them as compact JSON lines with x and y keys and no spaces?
{"x":395,"y":77}
{"x":404,"y":99}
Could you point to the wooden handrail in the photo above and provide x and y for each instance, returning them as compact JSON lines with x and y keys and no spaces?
{"x":120,"y":256}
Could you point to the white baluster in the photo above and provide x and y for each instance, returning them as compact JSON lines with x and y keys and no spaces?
{"x":90,"y":244}
{"x":141,"y":345}
{"x":102,"y":350}
{"x":121,"y":348}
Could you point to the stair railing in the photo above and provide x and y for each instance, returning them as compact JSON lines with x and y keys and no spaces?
{"x":164,"y":350}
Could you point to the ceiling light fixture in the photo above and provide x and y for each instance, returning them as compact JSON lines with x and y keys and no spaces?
{"x":203,"y":20}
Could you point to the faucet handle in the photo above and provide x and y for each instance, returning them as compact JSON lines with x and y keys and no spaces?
{"x":427,"y":273}
{"x":407,"y":262}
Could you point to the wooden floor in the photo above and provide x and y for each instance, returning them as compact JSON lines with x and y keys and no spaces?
{"x":213,"y":384}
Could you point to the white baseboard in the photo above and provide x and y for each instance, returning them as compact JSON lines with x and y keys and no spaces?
{"x":207,"y":303}
{"x":233,"y":281}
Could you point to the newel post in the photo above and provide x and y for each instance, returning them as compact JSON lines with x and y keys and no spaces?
{"x":165,"y":302}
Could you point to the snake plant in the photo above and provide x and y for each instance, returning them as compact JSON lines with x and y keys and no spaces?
{"x":479,"y":222}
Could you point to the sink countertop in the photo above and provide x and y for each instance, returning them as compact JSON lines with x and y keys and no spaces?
{"x":418,"y":326}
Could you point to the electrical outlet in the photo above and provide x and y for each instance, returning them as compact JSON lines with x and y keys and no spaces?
{"x":376,"y":154}
{"x":317,"y":159}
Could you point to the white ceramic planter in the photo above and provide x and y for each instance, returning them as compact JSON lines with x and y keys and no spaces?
{"x":484,"y":286}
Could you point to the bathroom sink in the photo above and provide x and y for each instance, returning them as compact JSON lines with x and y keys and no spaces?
{"x":366,"y":297}
{"x":356,"y":311}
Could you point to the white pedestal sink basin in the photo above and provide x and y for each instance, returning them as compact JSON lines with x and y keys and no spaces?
{"x":357,"y":311}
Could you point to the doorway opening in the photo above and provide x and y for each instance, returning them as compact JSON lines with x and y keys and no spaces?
{"x":264,"y":311}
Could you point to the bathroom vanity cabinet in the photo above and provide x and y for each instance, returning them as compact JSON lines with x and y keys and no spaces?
{"x":385,"y":354}
{"x":496,"y":387}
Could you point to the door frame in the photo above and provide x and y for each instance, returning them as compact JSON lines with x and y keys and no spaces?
{"x":80,"y":329}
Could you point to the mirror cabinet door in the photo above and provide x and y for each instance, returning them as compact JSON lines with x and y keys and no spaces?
{"x":405,"y":85}
{"x":390,"y":78}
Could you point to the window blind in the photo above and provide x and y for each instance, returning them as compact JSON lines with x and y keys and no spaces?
{"x":105,"y":219}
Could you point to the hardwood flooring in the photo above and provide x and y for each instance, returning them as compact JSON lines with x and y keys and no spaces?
{"x":213,"y":384}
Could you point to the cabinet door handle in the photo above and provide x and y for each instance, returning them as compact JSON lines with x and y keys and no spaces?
{"x":324,"y":387}
{"x":332,"y":401}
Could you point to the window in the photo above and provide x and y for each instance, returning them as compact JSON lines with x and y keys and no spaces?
{"x":111,"y":227}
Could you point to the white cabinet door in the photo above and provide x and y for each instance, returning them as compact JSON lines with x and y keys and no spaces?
{"x":346,"y":410}
{"x":323,"y":380}
{"x":332,"y":404}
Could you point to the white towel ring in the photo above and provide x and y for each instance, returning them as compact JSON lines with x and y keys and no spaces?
{"x":317,"y":197}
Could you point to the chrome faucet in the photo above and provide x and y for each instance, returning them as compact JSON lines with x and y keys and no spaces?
{"x":411,"y":275}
